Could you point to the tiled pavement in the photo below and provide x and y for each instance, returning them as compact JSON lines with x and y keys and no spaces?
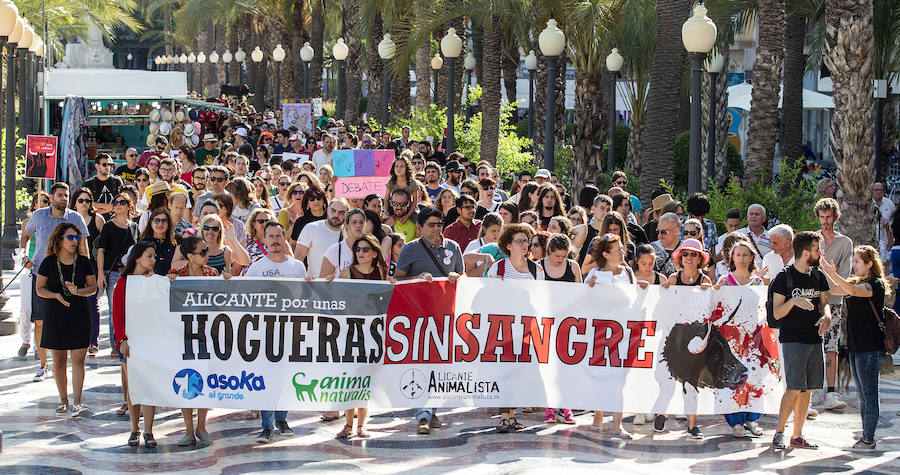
{"x":35,"y":440}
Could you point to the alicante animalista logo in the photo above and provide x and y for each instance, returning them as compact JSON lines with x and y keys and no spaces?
{"x":412,"y":384}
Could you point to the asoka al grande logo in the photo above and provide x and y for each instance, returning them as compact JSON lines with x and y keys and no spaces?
{"x":341,"y":388}
{"x":188,"y":383}
{"x":412,"y":384}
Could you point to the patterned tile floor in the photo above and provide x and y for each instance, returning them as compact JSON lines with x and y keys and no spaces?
{"x":35,"y":440}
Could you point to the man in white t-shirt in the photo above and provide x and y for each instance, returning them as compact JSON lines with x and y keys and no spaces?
{"x":340,"y":255}
{"x":781,"y":238}
{"x":276,"y":263}
{"x":323,"y":156}
{"x":318,"y":236}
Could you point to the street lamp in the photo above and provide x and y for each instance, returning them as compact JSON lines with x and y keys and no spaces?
{"x":9,"y":23}
{"x":226,"y":60}
{"x":436,"y":64}
{"x":191,"y":59}
{"x":128,"y":59}
{"x":36,"y":51}
{"x":340,"y":52}
{"x":531,"y":66}
{"x":201,"y":60}
{"x":386,"y":50}
{"x":258,"y":96}
{"x":213,"y":60}
{"x":698,"y":35}
{"x":24,"y":73}
{"x":306,"y":55}
{"x":551,"y":41}
{"x":278,"y":55}
{"x":714,"y":65}
{"x":451,"y":46}
{"x":614,"y":64}
{"x":469,"y":64}
{"x":239,"y":57}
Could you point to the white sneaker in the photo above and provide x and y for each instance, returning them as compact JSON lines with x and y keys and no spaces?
{"x":739,"y":432}
{"x":833,"y":402}
{"x":42,"y":374}
{"x":639,"y":419}
{"x":818,"y":397}
{"x":812,"y":414}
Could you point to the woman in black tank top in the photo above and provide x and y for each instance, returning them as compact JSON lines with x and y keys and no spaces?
{"x":644,"y":263}
{"x":557,"y":262}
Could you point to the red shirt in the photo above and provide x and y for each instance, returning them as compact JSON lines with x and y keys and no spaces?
{"x":461,"y":234}
{"x":118,"y":310}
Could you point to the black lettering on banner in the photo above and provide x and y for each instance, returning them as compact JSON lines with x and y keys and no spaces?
{"x":190,"y":335}
{"x":355,"y":340}
{"x":270,"y":337}
{"x":222,"y":322}
{"x":329,"y":330}
{"x":298,"y":322}
{"x":375,"y":330}
{"x":248,"y":354}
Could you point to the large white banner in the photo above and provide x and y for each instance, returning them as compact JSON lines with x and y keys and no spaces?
{"x":292,"y":345}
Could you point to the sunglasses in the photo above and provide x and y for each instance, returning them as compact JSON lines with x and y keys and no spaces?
{"x":435,"y":224}
{"x":399,"y":204}
{"x":131,"y":156}
{"x":217,"y":179}
{"x":298,"y":193}
{"x":104,"y":165}
{"x":84,"y":200}
{"x":160,"y":220}
{"x":690,"y":254}
{"x":620,"y":182}
{"x":153,"y":164}
{"x":45,"y":202}
{"x":202,"y":253}
{"x":73,"y":237}
{"x":535,"y":244}
{"x":211,"y":228}
{"x":363,"y":249}
{"x":468,"y":207}
{"x":315,"y":198}
{"x":120,"y":202}
{"x":284,"y":183}
{"x":260,"y":221}
{"x":487,"y":188}
{"x":663,"y":232}
{"x":692,"y":233}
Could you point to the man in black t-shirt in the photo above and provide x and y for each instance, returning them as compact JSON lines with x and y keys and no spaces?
{"x":801,"y":307}
{"x":130,"y":168}
{"x":103,"y":186}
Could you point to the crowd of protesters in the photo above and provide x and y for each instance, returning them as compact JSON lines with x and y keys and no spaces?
{"x":234,"y":206}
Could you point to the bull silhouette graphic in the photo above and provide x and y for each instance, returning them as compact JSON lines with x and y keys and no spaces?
{"x":307,"y":389}
{"x":698,"y":354}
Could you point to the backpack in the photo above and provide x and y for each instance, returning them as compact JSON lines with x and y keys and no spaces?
{"x":889,"y":324}
{"x":532,"y":268}
{"x":770,"y":311}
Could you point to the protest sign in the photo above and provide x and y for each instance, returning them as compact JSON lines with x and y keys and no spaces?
{"x":360,"y":171}
{"x":295,"y":345}
{"x":317,"y":106}
{"x":297,"y":115}
{"x":40,"y":157}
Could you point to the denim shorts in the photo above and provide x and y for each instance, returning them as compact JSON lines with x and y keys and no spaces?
{"x":804,"y":366}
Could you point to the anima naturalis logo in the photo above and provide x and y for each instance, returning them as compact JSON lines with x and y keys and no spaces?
{"x":341,"y":388}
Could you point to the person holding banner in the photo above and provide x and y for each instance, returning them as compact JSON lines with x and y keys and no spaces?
{"x":141,"y":261}
{"x":65,"y":279}
{"x":402,"y":179}
{"x":277,"y":263}
{"x":317,"y":237}
{"x":340,"y":255}
{"x":367,"y":264}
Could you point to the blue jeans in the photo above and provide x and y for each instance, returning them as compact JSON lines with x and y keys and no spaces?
{"x":94,"y":307}
{"x":267,"y":416}
{"x":425,"y":413}
{"x":866,"y":366}
{"x":736,"y":418}
{"x":111,"y":278}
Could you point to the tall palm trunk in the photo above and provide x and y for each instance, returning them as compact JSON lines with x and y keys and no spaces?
{"x":298,"y":35}
{"x":763,"y":127}
{"x":591,"y":106}
{"x":510,"y":65}
{"x":850,"y":45}
{"x":540,"y":101}
{"x":666,"y":71}
{"x":490,"y":98}
{"x":720,"y":109}
{"x":352,"y":68}
{"x":375,"y":70}
{"x":317,"y":42}
{"x":791,"y":142}
{"x":889,"y":135}
{"x":423,"y":66}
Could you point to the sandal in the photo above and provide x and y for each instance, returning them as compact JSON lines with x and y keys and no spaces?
{"x":135,"y":439}
{"x":250,"y":415}
{"x":327,"y":418}
{"x":346,"y":432}
{"x":514,"y":424}
{"x":503,"y":426}
{"x":122,"y":410}
{"x":361,"y":432}
{"x":62,"y":409}
{"x":149,"y":441}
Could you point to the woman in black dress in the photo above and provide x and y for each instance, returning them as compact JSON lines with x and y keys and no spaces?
{"x":65,"y":280}
{"x":82,"y":201}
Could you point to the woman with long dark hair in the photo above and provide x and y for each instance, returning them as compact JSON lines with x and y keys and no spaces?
{"x":402,"y":179}
{"x":141,"y":261}
{"x":528,"y":196}
{"x":160,"y":232}
{"x":82,"y":201}
{"x":314,"y":204}
{"x":118,"y":234}
{"x":65,"y":280}
{"x":548,"y":204}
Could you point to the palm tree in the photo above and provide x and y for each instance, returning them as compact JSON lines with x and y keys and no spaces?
{"x":666,"y":72}
{"x":850,"y":44}
{"x":763,"y":126}
{"x":352,"y":70}
{"x":887,"y":66}
{"x":791,"y":142}
{"x":317,"y":42}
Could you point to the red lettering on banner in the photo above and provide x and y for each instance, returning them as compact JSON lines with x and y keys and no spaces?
{"x":636,"y":342}
{"x":541,"y":339}
{"x":562,"y":341}
{"x":604,"y":343}
{"x":465,"y":323}
{"x":411,"y":338}
{"x":499,"y":336}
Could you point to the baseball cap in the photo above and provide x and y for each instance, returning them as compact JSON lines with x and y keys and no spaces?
{"x":295,"y":137}
{"x":243,"y":133}
{"x":542,"y":173}
{"x":452,"y":166}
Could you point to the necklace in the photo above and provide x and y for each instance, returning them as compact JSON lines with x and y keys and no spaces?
{"x":62,"y":279}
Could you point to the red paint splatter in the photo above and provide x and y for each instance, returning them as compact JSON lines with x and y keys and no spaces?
{"x":744,"y":392}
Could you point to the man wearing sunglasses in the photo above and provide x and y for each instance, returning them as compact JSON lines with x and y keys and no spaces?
{"x":103,"y":185}
{"x":209,"y":151}
{"x":159,"y":149}
{"x":218,"y":178}
{"x":668,"y":229}
{"x":129,"y":169}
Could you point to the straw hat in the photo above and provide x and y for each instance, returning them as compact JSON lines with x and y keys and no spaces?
{"x":691,"y":245}
{"x":157,"y":188}
{"x":660,"y":201}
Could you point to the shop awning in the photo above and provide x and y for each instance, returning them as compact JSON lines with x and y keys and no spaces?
{"x":115,"y":84}
{"x":739,"y":98}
